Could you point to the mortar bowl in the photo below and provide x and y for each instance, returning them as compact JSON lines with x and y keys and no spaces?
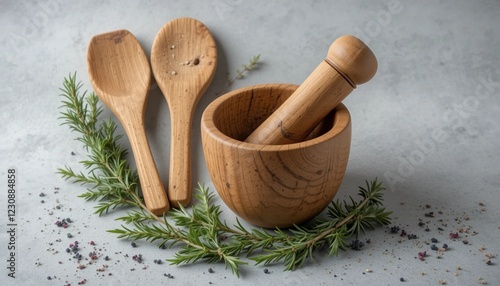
{"x":272,"y":185}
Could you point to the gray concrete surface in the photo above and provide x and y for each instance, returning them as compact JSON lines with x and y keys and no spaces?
{"x":427,"y":125}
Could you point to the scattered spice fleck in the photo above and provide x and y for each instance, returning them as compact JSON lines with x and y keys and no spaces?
{"x":356,"y":245}
{"x":137,"y":258}
{"x":395,"y":229}
{"x":210,"y":270}
{"x":482,"y":281}
{"x":421,"y":255}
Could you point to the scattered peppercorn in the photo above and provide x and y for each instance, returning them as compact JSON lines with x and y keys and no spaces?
{"x":402,"y":279}
{"x":42,"y":195}
{"x":133,"y":244}
{"x":454,"y":235}
{"x":137,"y":258}
{"x":356,"y":245}
{"x":412,"y":236}
{"x":168,"y":275}
{"x":434,"y":247}
{"x":429,"y":214}
{"x":403,"y":233}
{"x":434,"y":240}
{"x":210,"y":270}
{"x":421,"y":255}
{"x":266,"y":271}
{"x":69,"y":235}
{"x":395,"y":229}
{"x":445,"y":246}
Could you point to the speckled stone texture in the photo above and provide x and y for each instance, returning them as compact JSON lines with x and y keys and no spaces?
{"x":427,"y":125}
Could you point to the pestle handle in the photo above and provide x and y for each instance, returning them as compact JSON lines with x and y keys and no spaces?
{"x":349,"y":62}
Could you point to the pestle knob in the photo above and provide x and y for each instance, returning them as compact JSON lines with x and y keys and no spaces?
{"x":349,"y":62}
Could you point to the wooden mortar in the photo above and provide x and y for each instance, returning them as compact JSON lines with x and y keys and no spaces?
{"x":272,"y":185}
{"x":277,"y":153}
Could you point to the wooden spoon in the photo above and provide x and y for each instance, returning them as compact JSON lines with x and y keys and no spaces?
{"x":120,"y":74}
{"x":183,"y":58}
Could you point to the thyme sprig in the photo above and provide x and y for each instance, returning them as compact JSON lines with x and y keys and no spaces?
{"x":200,"y":232}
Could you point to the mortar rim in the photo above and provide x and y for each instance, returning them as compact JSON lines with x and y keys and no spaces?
{"x":342,"y":121}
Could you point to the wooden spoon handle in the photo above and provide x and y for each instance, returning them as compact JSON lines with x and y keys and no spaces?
{"x":179,"y":186}
{"x":154,"y":193}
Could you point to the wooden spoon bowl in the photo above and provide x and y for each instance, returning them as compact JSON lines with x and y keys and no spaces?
{"x":272,"y":185}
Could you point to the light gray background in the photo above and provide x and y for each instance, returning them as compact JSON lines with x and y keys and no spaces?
{"x":427,"y":125}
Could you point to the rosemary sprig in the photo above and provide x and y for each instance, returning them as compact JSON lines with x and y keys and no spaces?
{"x":113,"y":182}
{"x":240,"y":73}
{"x":200,"y":232}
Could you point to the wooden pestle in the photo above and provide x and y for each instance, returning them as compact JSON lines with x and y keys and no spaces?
{"x":349,"y":62}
